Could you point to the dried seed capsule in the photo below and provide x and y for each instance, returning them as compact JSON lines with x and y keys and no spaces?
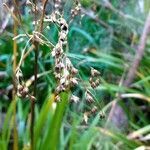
{"x":74,"y":71}
{"x":57,"y":76}
{"x":102,"y":115}
{"x":62,"y":22}
{"x":18,"y":94}
{"x":28,"y":3}
{"x":68,"y":63}
{"x":89,"y":98}
{"x":64,"y":27}
{"x":74,"y":81}
{"x":58,"y":52}
{"x":74,"y":99}
{"x":60,"y":89}
{"x":32,"y":98}
{"x":57,"y":98}
{"x":93,"y":85}
{"x":20,"y":88}
{"x":94,"y":72}
{"x":85,"y":117}
{"x":62,"y":81}
{"x":94,"y":109}
{"x":66,"y":85}
{"x":91,"y":80}
{"x":24,"y":92}
{"x":62,"y":36}
{"x":97,"y":82}
{"x":59,"y":67}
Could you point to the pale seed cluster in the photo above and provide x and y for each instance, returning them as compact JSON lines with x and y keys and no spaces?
{"x":75,"y":11}
{"x":57,"y":5}
{"x":94,"y":79}
{"x":74,"y":99}
{"x":89,"y":97}
{"x":21,"y":88}
{"x":64,"y":70}
{"x":86,"y":115}
{"x":94,"y":82}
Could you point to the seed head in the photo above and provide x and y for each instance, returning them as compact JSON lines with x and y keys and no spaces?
{"x":97,"y":82}
{"x":88,"y":97}
{"x":74,"y":99}
{"x":102,"y":115}
{"x":74,"y":81}
{"x":60,"y":89}
{"x":59,"y":67}
{"x":57,"y":98}
{"x":74,"y":71}
{"x":85,"y":117}
{"x":94,"y":110}
{"x":94,"y":72}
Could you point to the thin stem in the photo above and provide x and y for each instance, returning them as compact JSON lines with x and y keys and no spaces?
{"x":42,"y":16}
{"x":35,"y":93}
{"x":139,"y":53}
{"x":36,"y":45}
{"x":35,"y":82}
{"x":15,"y":133}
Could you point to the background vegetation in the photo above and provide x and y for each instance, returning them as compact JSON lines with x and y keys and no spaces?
{"x":104,"y":35}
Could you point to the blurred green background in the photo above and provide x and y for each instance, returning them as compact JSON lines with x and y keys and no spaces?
{"x":101,"y":37}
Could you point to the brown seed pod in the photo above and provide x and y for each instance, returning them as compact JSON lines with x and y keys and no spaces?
{"x":57,"y":98}
{"x":94,"y":110}
{"x":94,"y":72}
{"x":60,"y":89}
{"x":85,"y":117}
{"x":102,"y":115}
{"x":59,"y":67}
{"x":74,"y":99}
{"x":74,"y":71}
{"x":91,"y":80}
{"x":74,"y":81}
{"x":88,"y":97}
{"x":97,"y":82}
{"x":93,"y":85}
{"x":20,"y":88}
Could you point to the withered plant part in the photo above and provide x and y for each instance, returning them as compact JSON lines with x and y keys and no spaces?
{"x":75,"y":11}
{"x":94,"y":79}
{"x":58,"y":6}
{"x":64,"y":70}
{"x":86,"y":117}
{"x":87,"y":114}
{"x":94,"y":111}
{"x":15,"y":48}
{"x":74,"y":99}
{"x":21,"y":88}
{"x":35,"y":39}
{"x":89,"y":97}
{"x":90,"y":100}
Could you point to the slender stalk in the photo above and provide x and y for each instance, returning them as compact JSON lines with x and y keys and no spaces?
{"x":36,"y":48}
{"x":42,"y":16}
{"x":15,"y":133}
{"x":35,"y":93}
{"x":35,"y":82}
{"x":139,"y":53}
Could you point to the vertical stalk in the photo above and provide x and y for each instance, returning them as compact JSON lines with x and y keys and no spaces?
{"x":35,"y":82}
{"x":36,"y":47}
{"x":35,"y":93}
{"x":15,"y":133}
